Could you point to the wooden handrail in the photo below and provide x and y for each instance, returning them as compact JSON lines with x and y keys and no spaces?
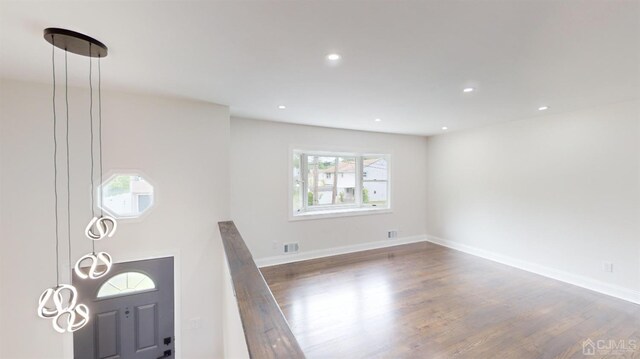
{"x":265,"y":329}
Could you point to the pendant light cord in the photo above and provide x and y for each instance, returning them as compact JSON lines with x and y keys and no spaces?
{"x":93,"y":206}
{"x":66,"y":99}
{"x":100,"y":131}
{"x":55,"y":159}
{"x":93,"y":189}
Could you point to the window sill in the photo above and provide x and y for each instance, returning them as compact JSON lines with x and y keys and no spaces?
{"x":333,"y":213}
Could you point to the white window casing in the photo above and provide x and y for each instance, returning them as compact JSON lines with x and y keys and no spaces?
{"x":299,"y":206}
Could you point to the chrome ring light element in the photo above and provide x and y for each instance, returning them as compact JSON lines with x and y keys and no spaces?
{"x":55,"y":296}
{"x":96,"y":259}
{"x":99,"y":228}
{"x":72,"y":314}
{"x":45,"y":307}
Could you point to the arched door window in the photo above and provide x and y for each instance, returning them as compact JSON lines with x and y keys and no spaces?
{"x":126,"y":283}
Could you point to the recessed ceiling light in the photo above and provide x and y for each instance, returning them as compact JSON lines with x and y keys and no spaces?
{"x":445,"y":128}
{"x":377,"y":120}
{"x":542,"y":108}
{"x":334,"y":57}
{"x":468,"y":89}
{"x":282,"y":107}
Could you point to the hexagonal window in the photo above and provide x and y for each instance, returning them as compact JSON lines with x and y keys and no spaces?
{"x":126,"y":196}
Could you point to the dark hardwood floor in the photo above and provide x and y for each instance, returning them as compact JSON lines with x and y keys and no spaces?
{"x":427,"y":301}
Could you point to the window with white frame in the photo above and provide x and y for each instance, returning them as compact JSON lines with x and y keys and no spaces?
{"x":337,"y":182}
{"x":126,"y":195}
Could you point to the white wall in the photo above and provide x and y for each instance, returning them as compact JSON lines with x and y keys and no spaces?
{"x":182,"y":146}
{"x":260,"y":183}
{"x":558,"y":191}
{"x":235,"y":345}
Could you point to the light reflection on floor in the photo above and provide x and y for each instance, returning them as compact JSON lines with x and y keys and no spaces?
{"x":345,"y":305}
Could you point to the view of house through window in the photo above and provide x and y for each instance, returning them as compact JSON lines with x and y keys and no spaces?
{"x":331,"y":180}
{"x":325,"y":182}
{"x":126,"y":196}
{"x":375,"y":181}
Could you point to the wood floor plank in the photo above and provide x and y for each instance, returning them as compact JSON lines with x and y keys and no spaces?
{"x":422,"y":300}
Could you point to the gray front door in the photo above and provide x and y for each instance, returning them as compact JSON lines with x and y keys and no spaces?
{"x":131,"y":312}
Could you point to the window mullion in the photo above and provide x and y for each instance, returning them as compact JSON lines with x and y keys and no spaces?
{"x":359,"y":169}
{"x":303,"y":176}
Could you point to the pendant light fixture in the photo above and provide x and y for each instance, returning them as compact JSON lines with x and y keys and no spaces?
{"x":101,"y":226}
{"x":60,"y":303}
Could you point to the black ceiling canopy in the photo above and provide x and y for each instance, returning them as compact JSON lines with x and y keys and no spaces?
{"x":75,"y":42}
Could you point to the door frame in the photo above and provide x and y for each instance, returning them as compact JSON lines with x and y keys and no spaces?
{"x":67,"y":347}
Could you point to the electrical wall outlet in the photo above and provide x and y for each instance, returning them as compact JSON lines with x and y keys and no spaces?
{"x":392,"y":234}
{"x":290,"y":247}
{"x":607,"y":267}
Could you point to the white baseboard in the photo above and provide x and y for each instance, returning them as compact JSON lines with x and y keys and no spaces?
{"x":578,"y":280}
{"x":319,"y":253}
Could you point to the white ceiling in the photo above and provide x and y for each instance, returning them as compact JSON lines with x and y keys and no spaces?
{"x":404,"y":62}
